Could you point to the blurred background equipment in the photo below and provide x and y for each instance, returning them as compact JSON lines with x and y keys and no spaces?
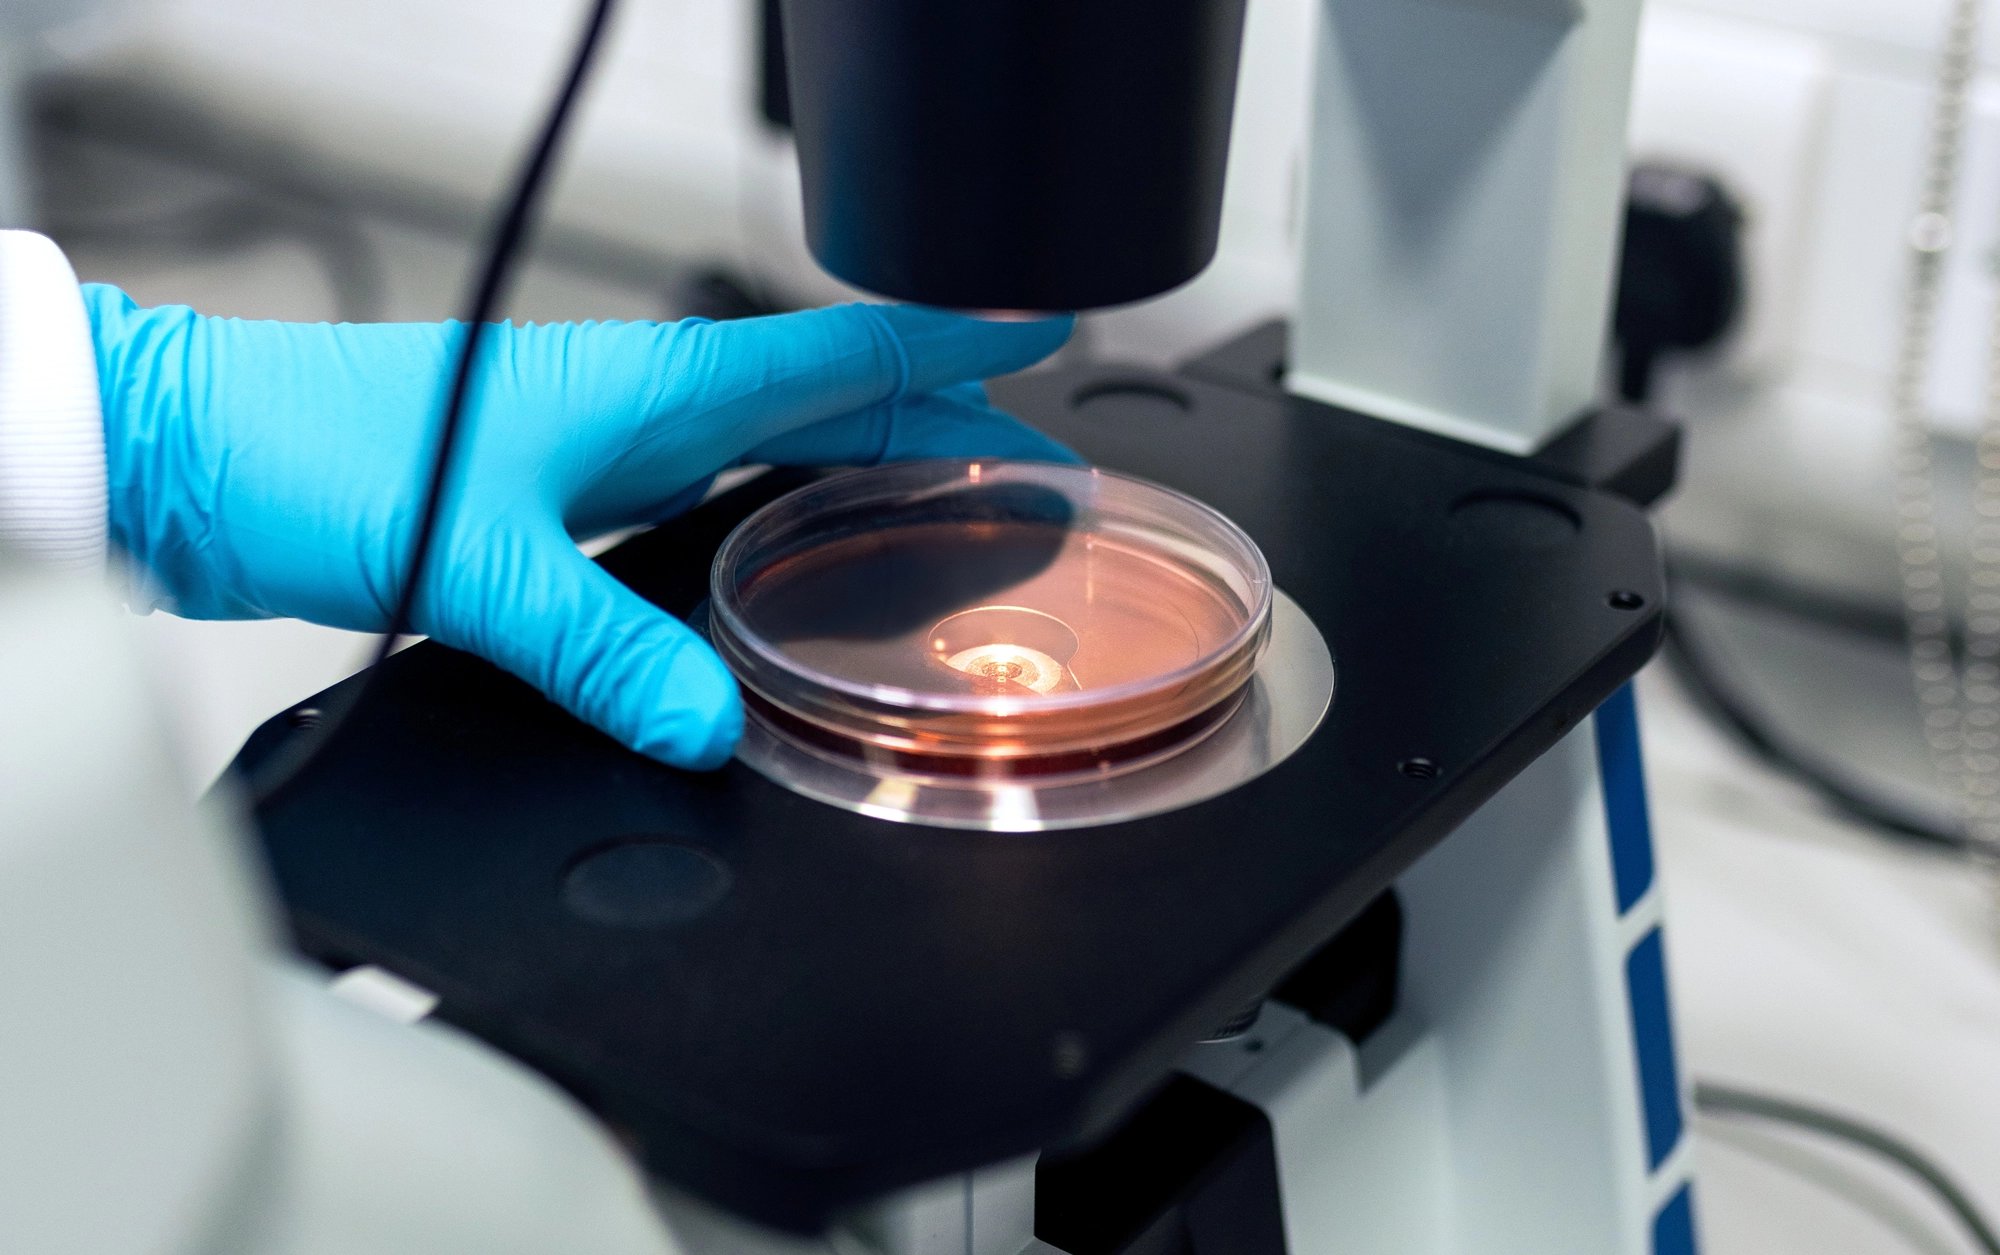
{"x":284,"y":159}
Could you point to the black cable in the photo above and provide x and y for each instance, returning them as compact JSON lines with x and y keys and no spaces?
{"x":1697,"y":670}
{"x":1725,"y":1100}
{"x":280,"y":768}
{"x":1638,"y":367}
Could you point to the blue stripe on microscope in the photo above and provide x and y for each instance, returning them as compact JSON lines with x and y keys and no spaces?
{"x":1625,"y":797}
{"x":1673,"y":1228}
{"x":1653,"y":1040}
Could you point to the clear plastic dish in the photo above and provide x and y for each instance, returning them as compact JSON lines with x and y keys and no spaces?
{"x":982,"y":621}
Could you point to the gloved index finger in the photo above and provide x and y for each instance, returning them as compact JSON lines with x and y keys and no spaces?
{"x":944,"y":348}
{"x":768,"y":376}
{"x":954,"y":423}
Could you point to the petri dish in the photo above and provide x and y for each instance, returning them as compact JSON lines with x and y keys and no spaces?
{"x":982,"y":621}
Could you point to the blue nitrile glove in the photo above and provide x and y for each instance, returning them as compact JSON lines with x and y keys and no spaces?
{"x":263,"y":469}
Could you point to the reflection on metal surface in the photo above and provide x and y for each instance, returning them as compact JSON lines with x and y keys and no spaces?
{"x":1008,"y":648}
{"x":1008,"y":668}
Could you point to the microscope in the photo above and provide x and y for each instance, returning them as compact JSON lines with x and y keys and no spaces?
{"x":1388,"y":975}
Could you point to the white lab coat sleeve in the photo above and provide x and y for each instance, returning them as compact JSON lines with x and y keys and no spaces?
{"x":53,"y":497}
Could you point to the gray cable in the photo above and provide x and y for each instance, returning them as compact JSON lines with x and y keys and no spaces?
{"x":1724,"y":1100}
{"x":277,"y":198}
{"x":231,"y":223}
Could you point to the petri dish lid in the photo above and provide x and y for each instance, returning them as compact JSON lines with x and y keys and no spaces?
{"x":990,"y":618}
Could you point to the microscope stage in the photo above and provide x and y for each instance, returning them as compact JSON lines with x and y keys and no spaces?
{"x":789,"y":1007}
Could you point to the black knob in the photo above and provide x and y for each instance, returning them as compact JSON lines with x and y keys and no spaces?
{"x":1680,"y":275}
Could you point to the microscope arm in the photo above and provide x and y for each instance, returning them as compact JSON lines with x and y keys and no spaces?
{"x":1463,"y":179}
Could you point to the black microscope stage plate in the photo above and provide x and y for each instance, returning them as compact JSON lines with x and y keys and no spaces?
{"x":803,"y":1007}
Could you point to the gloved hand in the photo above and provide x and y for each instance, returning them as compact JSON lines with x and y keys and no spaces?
{"x":263,"y":469}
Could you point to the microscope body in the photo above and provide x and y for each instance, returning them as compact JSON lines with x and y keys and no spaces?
{"x":1462,"y":186}
{"x":1462,"y":191}
{"x":1404,"y":993}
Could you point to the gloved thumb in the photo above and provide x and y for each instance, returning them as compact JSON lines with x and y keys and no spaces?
{"x":539,"y":608}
